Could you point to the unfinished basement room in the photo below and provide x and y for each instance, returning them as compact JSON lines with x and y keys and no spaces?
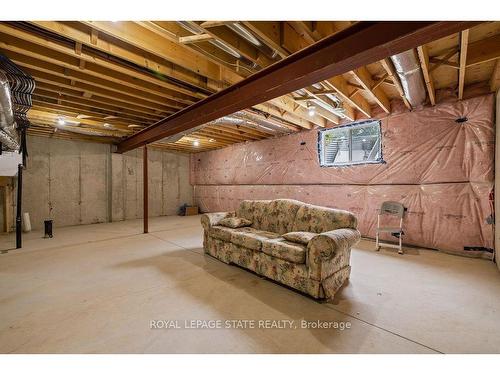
{"x":249,"y":186}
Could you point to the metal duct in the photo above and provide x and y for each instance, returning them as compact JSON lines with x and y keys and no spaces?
{"x":174,"y":138}
{"x":20,"y":86}
{"x":268,"y":123}
{"x":238,"y":118}
{"x":410,"y":75}
{"x":8,"y":134}
{"x":90,"y":131}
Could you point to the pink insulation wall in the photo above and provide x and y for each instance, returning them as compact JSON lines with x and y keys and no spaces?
{"x":441,"y":170}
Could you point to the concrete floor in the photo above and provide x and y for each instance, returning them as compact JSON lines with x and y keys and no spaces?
{"x":95,"y":289}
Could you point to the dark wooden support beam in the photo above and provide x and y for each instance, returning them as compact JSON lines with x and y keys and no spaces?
{"x":145,"y":189}
{"x":359,"y":45}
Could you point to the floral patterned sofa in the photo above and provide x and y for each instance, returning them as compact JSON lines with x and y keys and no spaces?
{"x":314,"y":256}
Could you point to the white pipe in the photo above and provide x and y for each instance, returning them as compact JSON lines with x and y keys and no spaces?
{"x":26,"y":222}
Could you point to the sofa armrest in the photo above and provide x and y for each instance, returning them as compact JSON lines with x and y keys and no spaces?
{"x":211,"y":219}
{"x":330,"y":250}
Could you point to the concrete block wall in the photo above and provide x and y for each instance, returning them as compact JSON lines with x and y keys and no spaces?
{"x":82,"y":183}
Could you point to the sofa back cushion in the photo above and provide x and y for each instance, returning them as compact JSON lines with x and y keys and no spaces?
{"x":275,"y":216}
{"x":319,"y":219}
{"x":250,"y":209}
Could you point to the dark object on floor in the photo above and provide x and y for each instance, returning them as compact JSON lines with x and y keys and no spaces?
{"x":48,"y":229}
{"x":478,"y":248}
{"x":186,"y":210}
{"x":191,"y":210}
{"x":182,"y":210}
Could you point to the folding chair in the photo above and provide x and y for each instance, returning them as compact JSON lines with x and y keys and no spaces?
{"x":393,"y":210}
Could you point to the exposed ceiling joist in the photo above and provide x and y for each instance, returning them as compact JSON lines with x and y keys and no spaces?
{"x":364,"y":78}
{"x":136,"y":35}
{"x":338,"y":85}
{"x":359,"y":45}
{"x":64,"y":82}
{"x":79,"y":76}
{"x":464,"y":41}
{"x":195,"y":38}
{"x":154,"y":32}
{"x":423,"y":55}
{"x":391,"y":72}
{"x":141,"y":58}
{"x":270,"y":32}
{"x":483,"y":50}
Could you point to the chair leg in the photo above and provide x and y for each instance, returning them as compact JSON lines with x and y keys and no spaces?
{"x":400,"y":251}
{"x":377,"y":246}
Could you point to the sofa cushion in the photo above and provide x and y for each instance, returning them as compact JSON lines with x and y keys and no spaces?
{"x":283,"y":249}
{"x":318,"y":219}
{"x":282,"y":215}
{"x":221,"y":233}
{"x":251,"y":238}
{"x":235,"y":222}
{"x":275,"y":216}
{"x":250,"y":209}
{"x":299,"y":237}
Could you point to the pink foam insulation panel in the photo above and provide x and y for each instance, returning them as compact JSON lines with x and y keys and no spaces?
{"x":440,"y":169}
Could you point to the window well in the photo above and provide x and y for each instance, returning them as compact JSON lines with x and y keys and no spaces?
{"x":356,"y":143}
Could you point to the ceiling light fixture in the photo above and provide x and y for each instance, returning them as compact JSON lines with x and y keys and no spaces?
{"x":196,"y":143}
{"x":211,"y":140}
{"x":61,"y":121}
{"x":192,"y":27}
{"x":244,"y":33}
{"x":311,"y":109}
{"x":226,"y":48}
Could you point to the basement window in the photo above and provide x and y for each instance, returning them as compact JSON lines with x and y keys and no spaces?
{"x":356,"y":143}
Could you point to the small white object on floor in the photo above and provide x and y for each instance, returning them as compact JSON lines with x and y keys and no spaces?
{"x":26,"y":222}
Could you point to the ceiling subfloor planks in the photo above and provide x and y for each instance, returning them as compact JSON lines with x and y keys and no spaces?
{"x":125,"y":76}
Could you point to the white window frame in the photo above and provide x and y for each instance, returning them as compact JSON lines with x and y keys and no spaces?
{"x":322,"y":151}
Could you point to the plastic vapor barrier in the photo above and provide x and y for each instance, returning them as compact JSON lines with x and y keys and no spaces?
{"x":438,"y":161}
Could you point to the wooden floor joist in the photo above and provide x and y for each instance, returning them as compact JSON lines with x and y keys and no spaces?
{"x":135,"y":74}
{"x":464,"y":41}
{"x":429,"y":83}
{"x":359,"y":45}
